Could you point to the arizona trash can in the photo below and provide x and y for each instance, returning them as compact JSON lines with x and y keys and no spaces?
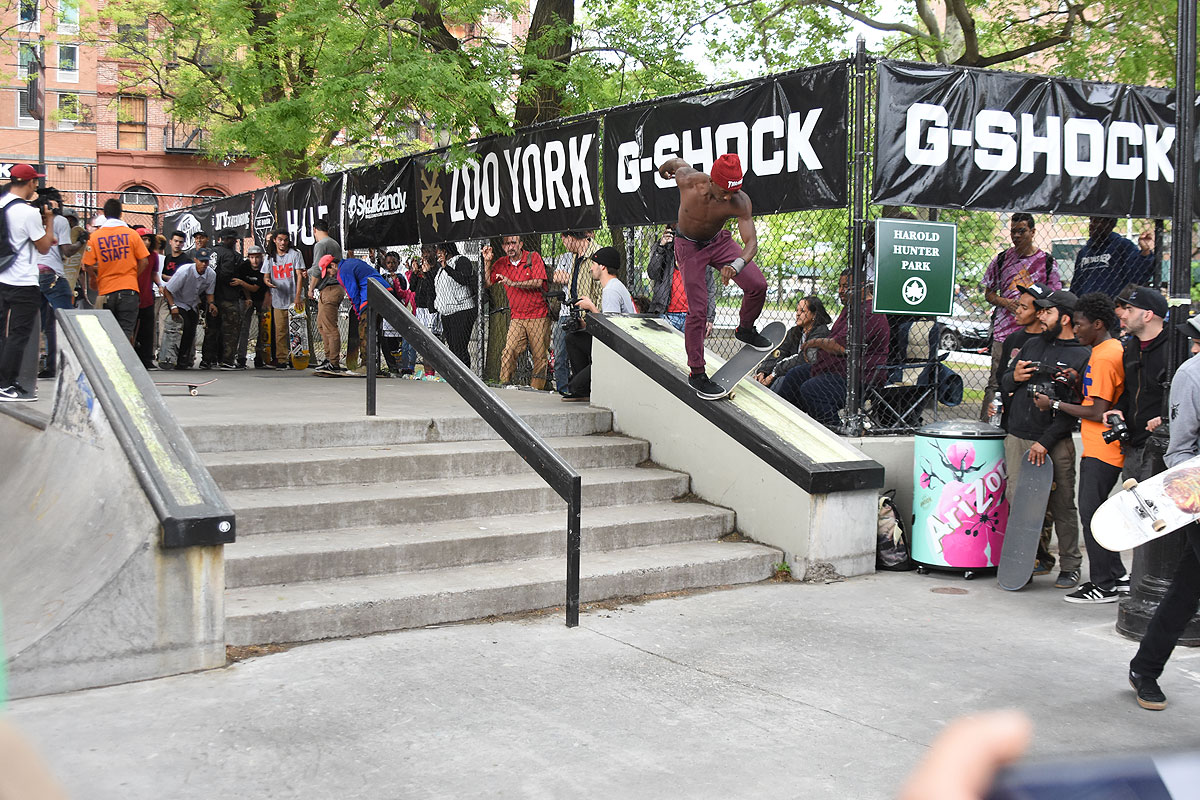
{"x":959,"y":508}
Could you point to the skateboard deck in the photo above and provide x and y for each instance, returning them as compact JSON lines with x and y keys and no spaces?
{"x":744,"y":362}
{"x":1148,"y":509}
{"x":193,"y":387}
{"x":325,"y":374}
{"x":266,"y":334}
{"x":298,"y":338}
{"x":1025,"y":518}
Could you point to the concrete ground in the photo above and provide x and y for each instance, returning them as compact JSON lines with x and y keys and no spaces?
{"x":771,"y":690}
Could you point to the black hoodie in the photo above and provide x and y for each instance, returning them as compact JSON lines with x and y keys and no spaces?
{"x":1145,"y":384}
{"x":1025,"y":421}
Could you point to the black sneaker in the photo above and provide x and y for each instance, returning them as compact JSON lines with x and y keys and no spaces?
{"x":753,"y":338}
{"x":1091,"y":594}
{"x":46,"y":373}
{"x":1044,"y":566}
{"x":706,"y":387}
{"x":324,"y":366}
{"x":205,"y":365}
{"x":228,"y":367}
{"x":17,"y":394}
{"x":1067,"y":579}
{"x":1149,"y":696}
{"x":1122,"y":584}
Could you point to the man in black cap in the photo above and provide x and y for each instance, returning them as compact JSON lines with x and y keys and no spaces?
{"x":1052,"y":360}
{"x":1143,"y":312}
{"x":605,"y":263}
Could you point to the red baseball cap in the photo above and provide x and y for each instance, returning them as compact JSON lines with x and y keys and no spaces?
{"x":142,"y":231}
{"x":24,"y":172}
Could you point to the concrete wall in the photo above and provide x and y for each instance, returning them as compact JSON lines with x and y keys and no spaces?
{"x":88,"y":596}
{"x":836,"y":529}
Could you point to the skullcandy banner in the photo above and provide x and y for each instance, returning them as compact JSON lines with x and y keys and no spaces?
{"x":790,"y":133}
{"x":380,"y":205}
{"x":301,"y":203}
{"x":965,"y":138}
{"x":543,"y":180}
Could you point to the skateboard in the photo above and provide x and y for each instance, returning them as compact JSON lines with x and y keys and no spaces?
{"x":1024,"y":528}
{"x":193,"y":387}
{"x":298,"y":338}
{"x":325,"y":374}
{"x":1146,"y":510}
{"x":746,"y":360}
{"x":266,"y":334}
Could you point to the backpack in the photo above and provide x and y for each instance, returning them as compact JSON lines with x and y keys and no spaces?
{"x":7,"y":255}
{"x":891,"y":544}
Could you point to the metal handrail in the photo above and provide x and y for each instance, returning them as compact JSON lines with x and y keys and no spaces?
{"x":528,"y":444}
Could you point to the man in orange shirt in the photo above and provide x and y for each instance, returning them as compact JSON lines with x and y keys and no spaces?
{"x":1101,"y":462}
{"x":115,"y":257}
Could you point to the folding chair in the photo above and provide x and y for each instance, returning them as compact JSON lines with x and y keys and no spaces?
{"x":897,"y":395}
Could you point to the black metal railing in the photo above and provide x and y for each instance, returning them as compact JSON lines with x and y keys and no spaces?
{"x":528,"y":444}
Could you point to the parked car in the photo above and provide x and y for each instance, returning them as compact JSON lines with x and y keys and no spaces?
{"x":966,"y":328}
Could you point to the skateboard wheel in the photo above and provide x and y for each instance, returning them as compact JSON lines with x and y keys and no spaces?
{"x":922,"y":570}
{"x":193,"y":391}
{"x":1129,"y":484}
{"x":968,"y":575}
{"x":1158,"y":525}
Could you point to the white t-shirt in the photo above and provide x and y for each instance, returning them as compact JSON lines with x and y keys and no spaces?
{"x":53,"y":257}
{"x":615,"y":299}
{"x":24,"y":228}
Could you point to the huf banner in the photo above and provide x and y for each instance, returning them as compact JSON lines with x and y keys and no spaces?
{"x":263,"y":216}
{"x":190,"y":221}
{"x":953,"y":137}
{"x":232,"y":213}
{"x":301,"y":203}
{"x":790,"y":133}
{"x":544,"y":180}
{"x":381,"y":205}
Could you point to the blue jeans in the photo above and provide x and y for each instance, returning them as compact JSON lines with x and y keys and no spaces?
{"x":820,"y":396}
{"x":56,"y":293}
{"x":562,"y":364}
{"x":408,"y":357}
{"x":676,"y":319}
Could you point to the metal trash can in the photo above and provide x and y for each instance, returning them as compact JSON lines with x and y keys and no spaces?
{"x":959,"y":507}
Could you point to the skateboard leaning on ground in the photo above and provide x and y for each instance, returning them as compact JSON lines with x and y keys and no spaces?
{"x":1025,"y":517}
{"x":193,"y":387}
{"x":1146,"y":510}
{"x":298,"y":338}
{"x":745,"y":361}
{"x":324,"y":374}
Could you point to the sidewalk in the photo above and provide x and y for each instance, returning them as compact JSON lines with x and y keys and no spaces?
{"x":771,"y":690}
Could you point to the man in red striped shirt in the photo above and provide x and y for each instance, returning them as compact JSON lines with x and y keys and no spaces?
{"x":523,"y":275}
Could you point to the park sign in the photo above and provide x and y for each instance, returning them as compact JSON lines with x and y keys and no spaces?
{"x":914,"y":266}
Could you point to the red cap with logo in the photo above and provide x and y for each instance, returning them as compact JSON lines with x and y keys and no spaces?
{"x":24,"y":172}
{"x":727,"y":172}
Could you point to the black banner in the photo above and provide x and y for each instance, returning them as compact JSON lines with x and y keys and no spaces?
{"x":232,"y":212}
{"x":381,"y":205}
{"x":190,"y":221}
{"x":301,"y":203}
{"x":790,"y":133}
{"x":263,"y":215}
{"x":953,"y":137}
{"x":543,"y":181}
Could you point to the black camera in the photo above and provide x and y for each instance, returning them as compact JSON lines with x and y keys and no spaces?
{"x":1117,"y":431}
{"x":1050,"y":380}
{"x":48,"y":195}
{"x":574,"y":320}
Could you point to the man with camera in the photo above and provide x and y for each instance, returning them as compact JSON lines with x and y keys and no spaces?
{"x":604,"y":264}
{"x":1100,"y":465}
{"x":669,"y":296}
{"x":1051,"y":363}
{"x":1142,"y":312}
{"x":29,"y":233}
{"x":52,"y":278}
{"x":571,"y":272}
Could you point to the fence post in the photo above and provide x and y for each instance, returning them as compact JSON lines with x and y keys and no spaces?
{"x":854,"y":337}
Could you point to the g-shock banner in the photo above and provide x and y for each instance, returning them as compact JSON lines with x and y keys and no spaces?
{"x":954,"y":137}
{"x":380,"y":202}
{"x":790,"y":133}
{"x":543,"y":180}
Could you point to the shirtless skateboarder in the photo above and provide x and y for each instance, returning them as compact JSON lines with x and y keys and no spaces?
{"x":705,"y":204}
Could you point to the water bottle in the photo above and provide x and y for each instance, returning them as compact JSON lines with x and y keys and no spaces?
{"x":997,"y":410}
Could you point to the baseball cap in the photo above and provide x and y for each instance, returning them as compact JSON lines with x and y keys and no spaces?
{"x":325,"y":261}
{"x":1038,"y":291}
{"x":200,"y":233}
{"x":1194,"y":327}
{"x":1148,"y":299}
{"x":1059,"y":298}
{"x":24,"y":172}
{"x":252,"y":249}
{"x":142,"y":231}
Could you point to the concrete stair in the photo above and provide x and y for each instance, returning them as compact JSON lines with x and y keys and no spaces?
{"x":351,"y":528}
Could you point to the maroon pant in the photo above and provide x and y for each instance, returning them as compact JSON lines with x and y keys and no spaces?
{"x":694,"y":260}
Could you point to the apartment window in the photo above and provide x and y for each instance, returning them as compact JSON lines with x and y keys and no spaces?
{"x":25,"y":56}
{"x":68,"y":16}
{"x":131,"y":33}
{"x":68,"y":111}
{"x":29,"y":15}
{"x":139,"y":196}
{"x":131,"y":122}
{"x":68,"y":63}
{"x":24,"y":118}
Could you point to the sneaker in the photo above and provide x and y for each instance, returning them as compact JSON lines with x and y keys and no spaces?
{"x":205,"y":365}
{"x":265,"y":365}
{"x":228,"y":367}
{"x":1067,"y":579}
{"x":752,"y":337}
{"x":324,"y":366}
{"x":1149,"y":696}
{"x":706,"y":387}
{"x":1091,"y":594}
{"x":17,"y":394}
{"x":1122,"y":584}
{"x":575,"y":397}
{"x":1044,"y":566}
{"x":46,"y":373}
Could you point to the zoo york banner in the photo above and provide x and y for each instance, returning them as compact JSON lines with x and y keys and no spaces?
{"x":380,"y":205}
{"x":544,"y":180}
{"x":790,"y":133}
{"x":963,"y":138}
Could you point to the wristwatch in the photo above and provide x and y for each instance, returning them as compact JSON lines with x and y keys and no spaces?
{"x":1055,"y":405}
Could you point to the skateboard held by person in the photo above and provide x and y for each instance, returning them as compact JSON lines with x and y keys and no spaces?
{"x":1024,"y":529}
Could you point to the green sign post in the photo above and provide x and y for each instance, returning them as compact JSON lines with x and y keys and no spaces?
{"x":914,"y":266}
